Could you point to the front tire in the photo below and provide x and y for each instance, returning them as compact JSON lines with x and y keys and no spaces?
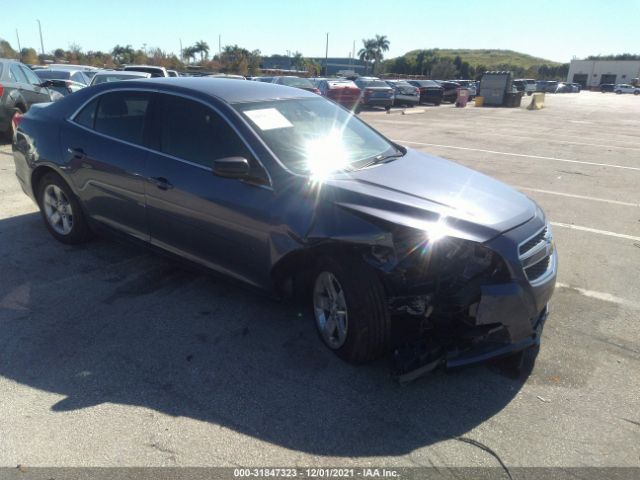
{"x":350,"y":310}
{"x":61,"y":211}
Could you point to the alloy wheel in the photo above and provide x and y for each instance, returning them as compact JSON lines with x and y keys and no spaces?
{"x":330,"y":309}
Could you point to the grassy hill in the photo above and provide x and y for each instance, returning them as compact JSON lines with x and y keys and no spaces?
{"x":491,"y":57}
{"x":470,"y":63}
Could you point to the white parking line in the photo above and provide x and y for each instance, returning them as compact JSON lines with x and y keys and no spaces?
{"x":607,"y":297}
{"x":595,"y":230}
{"x":518,"y":155}
{"x":582,"y":197}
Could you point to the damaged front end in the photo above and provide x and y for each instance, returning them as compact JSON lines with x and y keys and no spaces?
{"x":456,"y":302}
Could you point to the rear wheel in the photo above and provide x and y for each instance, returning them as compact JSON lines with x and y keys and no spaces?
{"x":349,"y":306}
{"x":61,"y":211}
{"x":387,"y":108}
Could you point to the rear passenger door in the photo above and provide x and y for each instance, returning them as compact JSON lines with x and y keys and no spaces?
{"x":104,"y":146}
{"x":218,"y":222}
{"x":39,"y":94}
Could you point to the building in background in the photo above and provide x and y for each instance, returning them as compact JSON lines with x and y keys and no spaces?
{"x":593,"y":73}
{"x":335,"y":65}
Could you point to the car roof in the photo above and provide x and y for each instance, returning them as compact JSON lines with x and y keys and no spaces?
{"x":225,"y":89}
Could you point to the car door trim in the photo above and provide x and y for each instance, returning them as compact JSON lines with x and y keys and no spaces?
{"x":71,"y":119}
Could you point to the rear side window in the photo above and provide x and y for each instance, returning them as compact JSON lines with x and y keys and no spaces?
{"x":16,"y":74}
{"x":79,"y":77}
{"x":122,"y":115}
{"x":32,"y":78}
{"x":87,"y":115}
{"x":194,"y":132}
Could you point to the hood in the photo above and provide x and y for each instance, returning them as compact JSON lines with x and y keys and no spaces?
{"x":418,"y":189}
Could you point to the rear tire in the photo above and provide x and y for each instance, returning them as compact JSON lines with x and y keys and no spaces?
{"x":61,"y":211}
{"x":353,"y":321}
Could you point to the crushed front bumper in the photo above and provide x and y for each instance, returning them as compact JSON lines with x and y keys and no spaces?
{"x":505,"y":318}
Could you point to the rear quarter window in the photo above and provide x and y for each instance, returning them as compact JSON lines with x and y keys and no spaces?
{"x":86,"y":116}
{"x":122,"y":115}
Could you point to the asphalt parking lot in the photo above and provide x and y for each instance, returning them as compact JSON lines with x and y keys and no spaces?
{"x":111,"y":355}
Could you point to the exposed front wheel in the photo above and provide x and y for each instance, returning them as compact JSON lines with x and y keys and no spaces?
{"x":349,"y":306}
{"x":61,"y":211}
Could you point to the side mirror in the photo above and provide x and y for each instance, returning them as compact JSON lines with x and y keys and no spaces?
{"x":231,"y":167}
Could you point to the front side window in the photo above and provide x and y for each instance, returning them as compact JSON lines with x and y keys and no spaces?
{"x":314,"y":136}
{"x":122,"y":115}
{"x":194,"y":132}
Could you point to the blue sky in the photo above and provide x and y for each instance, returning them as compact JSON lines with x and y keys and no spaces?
{"x":556,"y":30}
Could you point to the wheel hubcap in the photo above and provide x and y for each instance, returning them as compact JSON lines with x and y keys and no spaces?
{"x":330,"y":309}
{"x":57,"y":209}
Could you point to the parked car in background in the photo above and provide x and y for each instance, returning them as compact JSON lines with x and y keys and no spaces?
{"x":375,"y":93}
{"x":263,"y":79}
{"x":315,"y":81}
{"x":564,"y":88}
{"x":607,"y":87}
{"x":65,"y":82}
{"x":105,"y":76}
{"x":227,"y":75}
{"x":546,"y":86}
{"x":173,"y":73}
{"x":20,"y":88}
{"x":342,"y":91}
{"x":577,"y":88}
{"x":404,"y":93}
{"x":519,"y":85}
{"x":626,"y":88}
{"x":469,"y":85}
{"x":450,"y":93}
{"x":525,"y":85}
{"x":430,"y":91}
{"x":288,"y":192}
{"x":296,"y":82}
{"x":155,"y":71}
{"x":88,"y":70}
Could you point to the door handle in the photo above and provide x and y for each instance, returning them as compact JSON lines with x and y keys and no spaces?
{"x":77,"y":153}
{"x":161,"y":182}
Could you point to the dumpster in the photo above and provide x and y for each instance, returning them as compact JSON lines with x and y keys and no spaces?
{"x":463,"y":97}
{"x":513,"y":99}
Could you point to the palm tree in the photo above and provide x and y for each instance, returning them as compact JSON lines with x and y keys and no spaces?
{"x":381,"y":43}
{"x":189,"y":53}
{"x":297,"y":61}
{"x":203,"y":48}
{"x":367,"y":52}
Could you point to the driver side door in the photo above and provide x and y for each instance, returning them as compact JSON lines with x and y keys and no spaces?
{"x":222,"y":223}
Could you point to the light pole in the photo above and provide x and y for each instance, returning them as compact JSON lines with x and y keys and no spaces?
{"x":41,"y":42}
{"x":19,"y":47}
{"x":326,"y":57}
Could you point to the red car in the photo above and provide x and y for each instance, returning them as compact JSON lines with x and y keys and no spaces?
{"x":344,"y":92}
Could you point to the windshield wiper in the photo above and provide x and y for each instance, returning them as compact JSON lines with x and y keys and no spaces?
{"x":383,"y":159}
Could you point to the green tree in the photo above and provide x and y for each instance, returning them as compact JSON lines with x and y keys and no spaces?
{"x":297,"y":61}
{"x":123,"y":54}
{"x":444,"y":69}
{"x":367,"y":53}
{"x":202,"y":48}
{"x":381,"y":43}
{"x":6,"y":51}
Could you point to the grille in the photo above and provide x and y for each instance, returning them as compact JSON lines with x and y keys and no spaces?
{"x":537,"y":270}
{"x":533,"y":241}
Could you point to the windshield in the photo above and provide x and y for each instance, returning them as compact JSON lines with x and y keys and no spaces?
{"x":114,"y":78}
{"x":53,"y":74}
{"x":314,"y":136}
{"x":296,"y":82}
{"x":371,"y":83}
